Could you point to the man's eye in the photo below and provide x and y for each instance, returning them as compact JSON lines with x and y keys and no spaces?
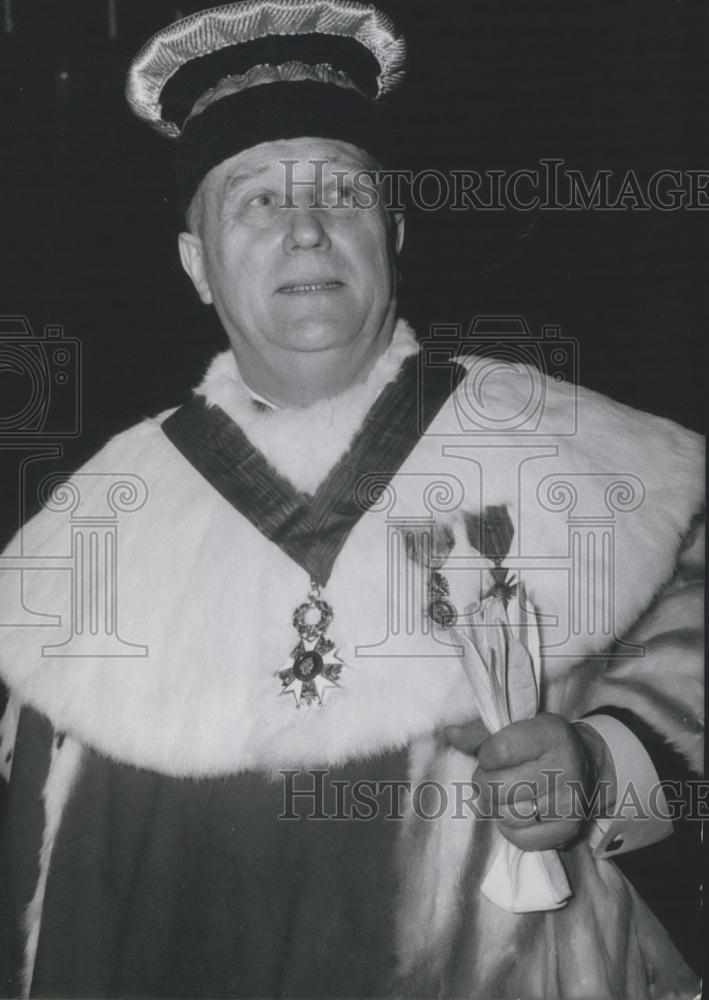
{"x":262,"y":200}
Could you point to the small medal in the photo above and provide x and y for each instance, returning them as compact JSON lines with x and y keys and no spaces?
{"x":505,"y":583}
{"x":314,"y":665}
{"x":440,"y":609}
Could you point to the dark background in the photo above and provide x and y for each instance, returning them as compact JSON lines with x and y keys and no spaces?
{"x":89,"y":226}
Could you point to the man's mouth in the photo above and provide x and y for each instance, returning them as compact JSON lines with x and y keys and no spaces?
{"x":305,"y":287}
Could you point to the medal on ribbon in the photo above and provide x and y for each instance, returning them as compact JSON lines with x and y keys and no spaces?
{"x":313,"y":666}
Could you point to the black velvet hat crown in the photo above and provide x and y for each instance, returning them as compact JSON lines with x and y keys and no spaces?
{"x":226,"y":79}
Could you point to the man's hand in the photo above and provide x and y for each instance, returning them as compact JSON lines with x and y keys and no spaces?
{"x":537,"y":760}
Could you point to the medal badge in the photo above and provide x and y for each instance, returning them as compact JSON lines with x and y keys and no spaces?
{"x":313,"y":666}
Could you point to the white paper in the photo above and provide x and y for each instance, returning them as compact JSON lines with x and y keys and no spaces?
{"x":501,"y":655}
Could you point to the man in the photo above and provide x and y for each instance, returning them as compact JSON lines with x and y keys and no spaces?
{"x":272,"y":533}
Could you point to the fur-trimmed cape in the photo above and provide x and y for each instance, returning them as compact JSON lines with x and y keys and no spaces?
{"x":602,"y":498}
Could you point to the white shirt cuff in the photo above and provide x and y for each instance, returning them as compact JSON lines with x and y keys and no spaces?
{"x":641,"y":815}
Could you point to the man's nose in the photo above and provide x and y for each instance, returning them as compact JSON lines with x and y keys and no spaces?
{"x":306,"y":230}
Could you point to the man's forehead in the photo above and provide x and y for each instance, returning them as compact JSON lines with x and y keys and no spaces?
{"x":298,"y":153}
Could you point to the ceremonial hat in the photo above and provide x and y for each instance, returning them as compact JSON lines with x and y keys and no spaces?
{"x":225,"y":79}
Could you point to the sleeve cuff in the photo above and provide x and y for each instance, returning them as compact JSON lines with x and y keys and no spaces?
{"x":641,"y":814}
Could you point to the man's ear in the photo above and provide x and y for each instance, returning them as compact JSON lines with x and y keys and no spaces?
{"x":399,"y":226}
{"x":192,"y":257}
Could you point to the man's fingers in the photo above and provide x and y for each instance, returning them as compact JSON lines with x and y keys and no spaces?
{"x":541,"y":836}
{"x":514,"y":784}
{"x":467,"y":738}
{"x":520,"y":742}
{"x":518,"y":815}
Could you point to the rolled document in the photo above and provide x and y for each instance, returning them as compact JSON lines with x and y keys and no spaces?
{"x":501,"y":655}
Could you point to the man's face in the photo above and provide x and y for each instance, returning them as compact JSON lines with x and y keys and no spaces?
{"x":289,"y":273}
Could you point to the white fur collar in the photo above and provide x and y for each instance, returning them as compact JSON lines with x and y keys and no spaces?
{"x":286,"y":436}
{"x":212,"y":600}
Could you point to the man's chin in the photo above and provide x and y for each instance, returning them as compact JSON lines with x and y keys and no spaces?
{"x":309,"y":335}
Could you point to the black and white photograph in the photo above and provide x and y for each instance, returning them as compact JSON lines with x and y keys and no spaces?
{"x":352,"y":476}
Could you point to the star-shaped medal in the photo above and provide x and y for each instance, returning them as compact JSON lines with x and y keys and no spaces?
{"x":505,"y":584}
{"x":312,"y":667}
